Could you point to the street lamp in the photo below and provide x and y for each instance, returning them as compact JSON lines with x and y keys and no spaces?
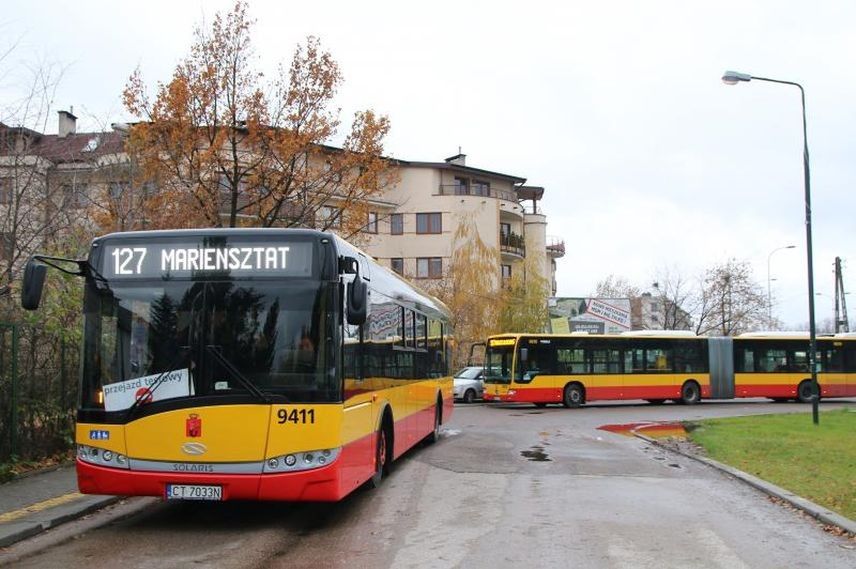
{"x":732,"y":78}
{"x":769,"y":289}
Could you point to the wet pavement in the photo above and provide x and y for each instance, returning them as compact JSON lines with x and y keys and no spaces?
{"x":504,"y":487}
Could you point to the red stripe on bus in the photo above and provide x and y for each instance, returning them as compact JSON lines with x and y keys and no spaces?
{"x":595,"y":393}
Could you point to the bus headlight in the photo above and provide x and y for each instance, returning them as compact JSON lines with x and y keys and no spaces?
{"x":301,"y":460}
{"x":101,"y":457}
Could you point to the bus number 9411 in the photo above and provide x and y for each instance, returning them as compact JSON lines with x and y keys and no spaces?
{"x":296,"y":416}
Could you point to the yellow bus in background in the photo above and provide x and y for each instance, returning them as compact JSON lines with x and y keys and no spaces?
{"x":573,"y":369}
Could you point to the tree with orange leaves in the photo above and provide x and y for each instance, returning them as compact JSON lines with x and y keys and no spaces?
{"x":223,"y":147}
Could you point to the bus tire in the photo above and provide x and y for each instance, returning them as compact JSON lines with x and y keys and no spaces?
{"x":656,"y":401}
{"x":690,"y":393}
{"x":469,"y":396}
{"x":383,"y":451}
{"x":805,"y":391}
{"x":573,"y":395}
{"x":434,"y":435}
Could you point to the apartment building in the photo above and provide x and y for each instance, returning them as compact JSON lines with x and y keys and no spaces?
{"x":411,"y":226}
{"x":415,"y":231}
{"x":49,"y":180}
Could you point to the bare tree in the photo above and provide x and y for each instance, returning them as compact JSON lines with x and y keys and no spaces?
{"x":728,"y":301}
{"x":674,"y":294}
{"x":29,"y":212}
{"x":615,"y":286}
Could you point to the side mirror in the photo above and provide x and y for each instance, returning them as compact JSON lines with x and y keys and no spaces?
{"x":357,"y":301}
{"x":34,"y":283}
{"x":524,"y":354}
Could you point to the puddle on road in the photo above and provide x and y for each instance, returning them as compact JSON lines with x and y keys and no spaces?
{"x":536,"y":454}
{"x":654,"y":430}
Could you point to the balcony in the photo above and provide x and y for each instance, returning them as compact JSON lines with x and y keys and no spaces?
{"x":555,"y":247}
{"x":512,"y":244}
{"x":477,"y":191}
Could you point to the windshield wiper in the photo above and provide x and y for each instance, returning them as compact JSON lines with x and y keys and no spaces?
{"x":173,"y":366}
{"x":235,"y":372}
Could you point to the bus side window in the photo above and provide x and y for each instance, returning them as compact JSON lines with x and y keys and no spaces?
{"x":747,"y":361}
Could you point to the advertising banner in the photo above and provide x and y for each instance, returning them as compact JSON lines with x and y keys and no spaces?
{"x":592,"y":315}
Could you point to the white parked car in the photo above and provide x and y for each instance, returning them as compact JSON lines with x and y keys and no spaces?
{"x":469,"y":384}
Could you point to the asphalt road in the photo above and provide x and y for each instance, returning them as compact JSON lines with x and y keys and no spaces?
{"x":504,"y":487}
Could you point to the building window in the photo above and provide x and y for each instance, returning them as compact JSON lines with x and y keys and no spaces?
{"x":118,"y":189}
{"x":397,"y":264}
{"x":462,"y":186}
{"x":506,"y":272}
{"x":5,"y":191}
{"x":481,"y":188}
{"x":75,"y":195}
{"x":429,"y":223}
{"x":505,"y":229}
{"x":396,"y":224}
{"x":429,"y":267}
{"x":371,"y":226}
{"x":330,"y":216}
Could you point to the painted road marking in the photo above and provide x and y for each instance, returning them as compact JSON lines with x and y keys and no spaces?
{"x":39,"y":506}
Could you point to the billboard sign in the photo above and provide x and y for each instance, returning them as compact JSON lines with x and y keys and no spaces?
{"x":592,"y":315}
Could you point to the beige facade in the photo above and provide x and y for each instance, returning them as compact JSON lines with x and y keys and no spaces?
{"x":411,"y":227}
{"x":415,"y":232}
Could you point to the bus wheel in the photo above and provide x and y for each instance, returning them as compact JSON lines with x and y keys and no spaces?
{"x":656,"y":401}
{"x":381,"y":456}
{"x":469,"y":395}
{"x":805,"y":391}
{"x":434,"y":435}
{"x":573,"y":395}
{"x":690,"y":393}
{"x":540,"y":405}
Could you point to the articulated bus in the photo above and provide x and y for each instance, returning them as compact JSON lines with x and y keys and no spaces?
{"x":658,"y":366}
{"x":254,"y":364}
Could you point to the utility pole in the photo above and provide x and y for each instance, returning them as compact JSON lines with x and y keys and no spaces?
{"x":841,"y":323}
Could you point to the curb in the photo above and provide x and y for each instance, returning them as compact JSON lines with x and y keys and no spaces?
{"x":814,"y":510}
{"x":18,"y":531}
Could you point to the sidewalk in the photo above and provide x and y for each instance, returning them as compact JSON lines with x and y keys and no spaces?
{"x":37,"y":502}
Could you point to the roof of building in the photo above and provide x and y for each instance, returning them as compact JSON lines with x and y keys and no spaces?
{"x":530,"y":192}
{"x":77,"y":147}
{"x":464,"y":170}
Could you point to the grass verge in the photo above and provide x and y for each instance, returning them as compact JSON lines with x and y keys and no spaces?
{"x":815,"y":462}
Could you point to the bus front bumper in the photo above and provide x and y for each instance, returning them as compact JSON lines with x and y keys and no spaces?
{"x":322,"y":484}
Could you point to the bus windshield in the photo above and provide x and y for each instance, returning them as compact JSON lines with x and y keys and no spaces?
{"x":497,"y":366}
{"x":195,"y":338}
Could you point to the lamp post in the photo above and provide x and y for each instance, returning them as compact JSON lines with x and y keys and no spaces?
{"x":732,"y":78}
{"x":769,"y":288}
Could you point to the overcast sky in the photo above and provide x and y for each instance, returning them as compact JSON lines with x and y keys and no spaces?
{"x":648,"y":160}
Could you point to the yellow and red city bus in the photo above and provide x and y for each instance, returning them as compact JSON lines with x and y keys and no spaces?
{"x":657,"y":366}
{"x":576,"y":368}
{"x":776,"y":365}
{"x":255,"y":364}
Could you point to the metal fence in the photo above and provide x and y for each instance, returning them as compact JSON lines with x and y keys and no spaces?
{"x":38,"y":387}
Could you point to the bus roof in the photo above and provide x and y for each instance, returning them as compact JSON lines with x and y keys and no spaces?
{"x":663,"y":334}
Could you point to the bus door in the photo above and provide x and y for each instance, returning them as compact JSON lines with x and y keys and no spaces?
{"x":535,"y":372}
